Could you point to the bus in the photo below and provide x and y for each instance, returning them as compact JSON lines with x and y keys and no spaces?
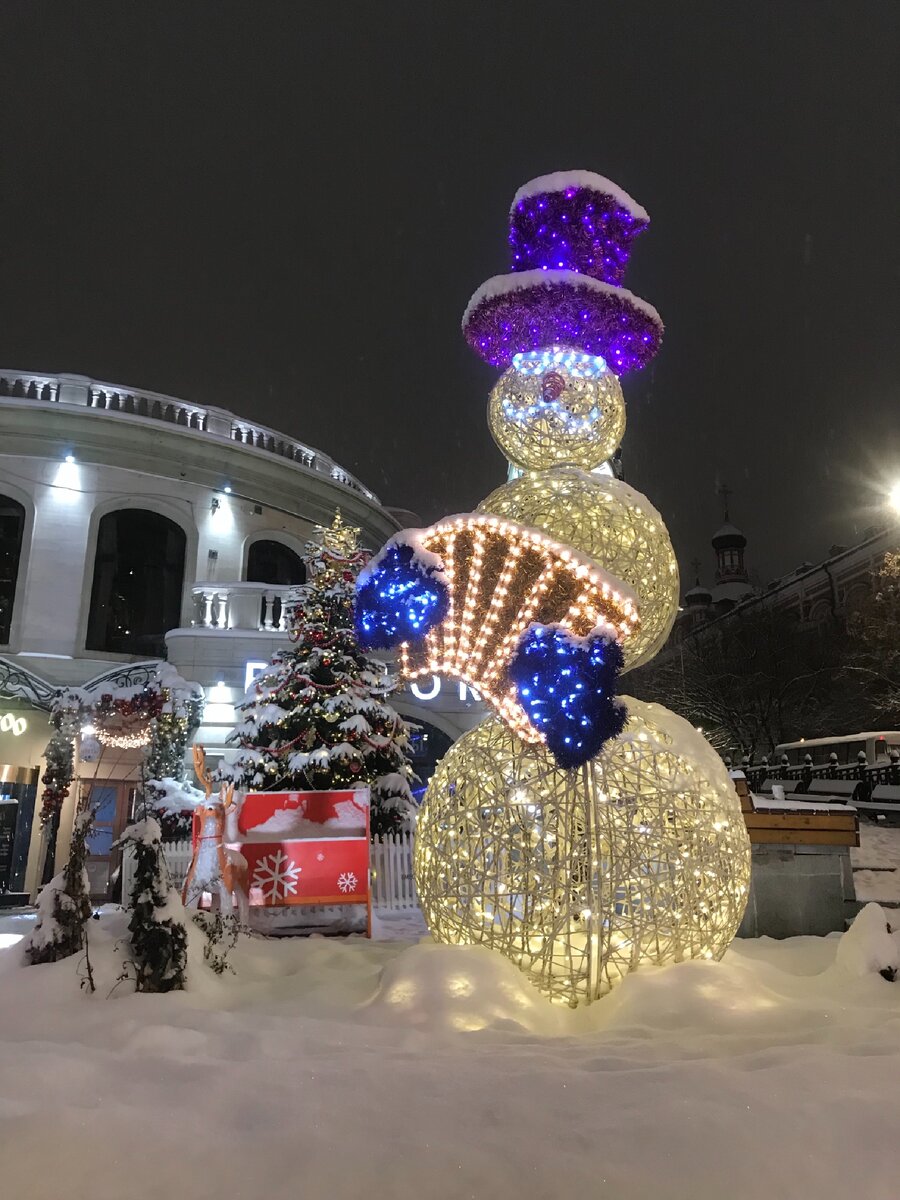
{"x":877,"y":747}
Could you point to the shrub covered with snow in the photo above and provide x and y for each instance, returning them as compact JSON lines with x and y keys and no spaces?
{"x":869,"y":946}
{"x":158,"y":933}
{"x":64,"y":904}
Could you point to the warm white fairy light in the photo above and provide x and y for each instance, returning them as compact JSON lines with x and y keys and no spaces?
{"x":580,"y":877}
{"x":503,"y":576}
{"x":611,"y":523}
{"x":557,"y":406}
{"x":642,"y":854}
{"x":125,"y":741}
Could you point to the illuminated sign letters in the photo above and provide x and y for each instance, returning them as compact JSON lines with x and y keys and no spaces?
{"x":10,"y":723}
{"x":433,"y":690}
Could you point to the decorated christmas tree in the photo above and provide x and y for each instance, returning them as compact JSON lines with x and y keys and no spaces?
{"x":318,"y":719}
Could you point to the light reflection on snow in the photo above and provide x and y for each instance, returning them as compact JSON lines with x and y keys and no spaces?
{"x":10,"y":939}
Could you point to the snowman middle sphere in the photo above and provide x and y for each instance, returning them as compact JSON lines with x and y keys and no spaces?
{"x":557,"y":407}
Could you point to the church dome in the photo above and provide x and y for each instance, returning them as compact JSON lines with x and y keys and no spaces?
{"x":698,"y":595}
{"x":729,"y":537}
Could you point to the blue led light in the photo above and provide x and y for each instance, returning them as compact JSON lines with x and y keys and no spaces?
{"x":566,"y":685}
{"x":578,"y":365}
{"x":398,"y":600}
{"x":560,"y":413}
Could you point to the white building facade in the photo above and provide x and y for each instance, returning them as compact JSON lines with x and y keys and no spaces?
{"x":135,"y":527}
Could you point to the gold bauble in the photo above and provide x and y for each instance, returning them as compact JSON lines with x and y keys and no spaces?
{"x":613,"y":524}
{"x":579,"y":877}
{"x":557,"y":406}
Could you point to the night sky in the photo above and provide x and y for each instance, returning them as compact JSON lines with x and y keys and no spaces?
{"x":283,"y":208}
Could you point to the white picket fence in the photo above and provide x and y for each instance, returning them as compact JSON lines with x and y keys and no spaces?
{"x":393,"y":887}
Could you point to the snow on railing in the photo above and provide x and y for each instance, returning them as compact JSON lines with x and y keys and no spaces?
{"x":157,"y":407}
{"x":79,"y":390}
{"x":24,"y":385}
{"x":393,"y":887}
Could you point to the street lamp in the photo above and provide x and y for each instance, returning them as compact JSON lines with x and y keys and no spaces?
{"x":894,"y":497}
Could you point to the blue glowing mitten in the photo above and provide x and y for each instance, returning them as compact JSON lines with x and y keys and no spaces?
{"x":566,"y":684}
{"x":400,"y":596}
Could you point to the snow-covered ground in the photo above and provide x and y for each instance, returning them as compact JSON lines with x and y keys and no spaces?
{"x":338,"y":1069}
{"x":879,"y":848}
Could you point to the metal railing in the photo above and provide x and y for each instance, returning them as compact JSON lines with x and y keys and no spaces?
{"x":871,"y":775}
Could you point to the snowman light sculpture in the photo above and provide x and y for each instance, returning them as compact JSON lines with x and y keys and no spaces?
{"x":579,"y":832}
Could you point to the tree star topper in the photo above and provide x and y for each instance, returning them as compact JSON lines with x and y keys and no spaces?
{"x":339,"y":537}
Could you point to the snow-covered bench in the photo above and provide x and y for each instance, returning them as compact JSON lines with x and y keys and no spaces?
{"x":842,"y":789}
{"x":884,"y":801}
{"x":788,"y":786}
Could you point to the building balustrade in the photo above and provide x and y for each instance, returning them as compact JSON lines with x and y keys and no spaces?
{"x":78,"y":390}
{"x":257,"y":607}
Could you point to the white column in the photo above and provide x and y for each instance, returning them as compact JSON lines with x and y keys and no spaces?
{"x":51,"y":610}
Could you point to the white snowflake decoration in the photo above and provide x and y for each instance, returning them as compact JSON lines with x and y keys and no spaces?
{"x":276,"y":876}
{"x":347,"y":882}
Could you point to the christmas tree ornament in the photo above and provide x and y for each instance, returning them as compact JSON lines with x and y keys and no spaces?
{"x":612,"y":524}
{"x":579,"y":877}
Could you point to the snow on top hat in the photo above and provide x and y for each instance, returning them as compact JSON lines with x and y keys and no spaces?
{"x":570,"y":237}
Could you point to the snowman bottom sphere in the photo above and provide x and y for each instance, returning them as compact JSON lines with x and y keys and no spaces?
{"x":579,"y":877}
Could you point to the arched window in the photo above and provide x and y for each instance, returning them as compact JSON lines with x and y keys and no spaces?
{"x":12,"y":526}
{"x":273,"y":562}
{"x":138,"y":579}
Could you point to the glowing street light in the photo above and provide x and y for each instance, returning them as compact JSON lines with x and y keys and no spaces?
{"x":894,"y":497}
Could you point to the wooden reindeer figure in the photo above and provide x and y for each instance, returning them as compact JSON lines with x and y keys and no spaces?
{"x":214,"y":868}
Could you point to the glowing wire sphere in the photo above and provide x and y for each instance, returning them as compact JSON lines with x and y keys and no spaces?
{"x":579,"y":877}
{"x":557,"y":406}
{"x":613,"y":524}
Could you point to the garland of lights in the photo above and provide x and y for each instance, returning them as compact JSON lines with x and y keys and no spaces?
{"x":59,"y":759}
{"x":127,"y":724}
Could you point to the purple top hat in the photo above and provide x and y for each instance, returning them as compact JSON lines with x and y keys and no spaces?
{"x":570,"y":236}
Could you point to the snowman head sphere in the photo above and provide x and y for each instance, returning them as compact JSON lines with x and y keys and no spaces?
{"x":557,"y":407}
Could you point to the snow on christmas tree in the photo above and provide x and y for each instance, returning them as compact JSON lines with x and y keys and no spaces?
{"x":318,"y":718}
